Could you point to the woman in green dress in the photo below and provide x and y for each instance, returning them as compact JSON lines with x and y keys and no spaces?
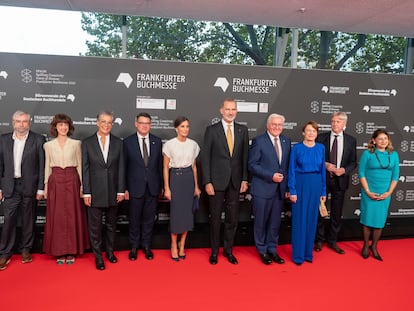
{"x":378,"y":172}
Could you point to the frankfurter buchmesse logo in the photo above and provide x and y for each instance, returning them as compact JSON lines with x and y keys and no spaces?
{"x":3,"y":74}
{"x":222,"y":83}
{"x":125,"y":78}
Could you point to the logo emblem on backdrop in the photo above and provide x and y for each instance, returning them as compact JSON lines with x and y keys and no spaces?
{"x":222,"y":83}
{"x":399,"y":195}
{"x":359,"y":127}
{"x":3,"y":74}
{"x":215,"y":120}
{"x":125,"y":78}
{"x":26,"y":75}
{"x":404,"y":146}
{"x":355,"y":179}
{"x":314,"y":106}
{"x":118,"y":121}
{"x":71,"y":97}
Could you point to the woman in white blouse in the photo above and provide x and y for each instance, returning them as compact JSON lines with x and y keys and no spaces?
{"x":180,"y":184}
{"x":66,"y":233}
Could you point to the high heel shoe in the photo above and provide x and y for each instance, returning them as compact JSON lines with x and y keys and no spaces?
{"x":364,"y":253}
{"x":175,"y":258}
{"x":375,"y":254}
{"x":180,"y":256}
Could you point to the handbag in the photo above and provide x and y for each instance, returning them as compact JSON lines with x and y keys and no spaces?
{"x":322,"y":209}
{"x":196,"y":204}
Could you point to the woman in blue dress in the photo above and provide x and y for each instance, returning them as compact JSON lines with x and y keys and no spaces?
{"x":378,"y":172}
{"x":307,"y":186}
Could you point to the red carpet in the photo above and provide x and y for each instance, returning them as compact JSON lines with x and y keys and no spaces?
{"x":331,"y":282}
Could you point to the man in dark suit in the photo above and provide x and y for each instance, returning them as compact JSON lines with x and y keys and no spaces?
{"x":225,"y":175}
{"x":143,"y":163}
{"x":103,"y":175}
{"x":340,"y":149}
{"x":268,"y":163}
{"x":22,"y":169}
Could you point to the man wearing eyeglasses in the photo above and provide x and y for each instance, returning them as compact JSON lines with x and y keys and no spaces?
{"x":143,"y":163}
{"x":103,"y":175}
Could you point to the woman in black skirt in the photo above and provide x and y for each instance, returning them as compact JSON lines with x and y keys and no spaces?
{"x":180,"y":184}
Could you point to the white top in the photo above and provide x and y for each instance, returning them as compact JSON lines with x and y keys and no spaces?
{"x":62,"y":156}
{"x":18,"y":148}
{"x":105,"y":149}
{"x":181,"y":153}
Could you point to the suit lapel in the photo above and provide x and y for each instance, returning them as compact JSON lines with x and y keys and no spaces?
{"x":27,"y":146}
{"x":98,"y":149}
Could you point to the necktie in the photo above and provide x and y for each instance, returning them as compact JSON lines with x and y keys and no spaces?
{"x":334,"y":151}
{"x":144,"y":152}
{"x":230,"y":139}
{"x":278,"y":153}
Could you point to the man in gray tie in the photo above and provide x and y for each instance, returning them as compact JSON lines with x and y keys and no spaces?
{"x":143,"y":161}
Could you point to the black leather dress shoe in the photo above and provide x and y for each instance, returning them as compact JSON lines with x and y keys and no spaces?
{"x":266,"y":259}
{"x":133,"y":254}
{"x":213,"y":259}
{"x":317,"y":247}
{"x":231,"y":258}
{"x":336,"y":248}
{"x":277,"y":259}
{"x":99,"y":264}
{"x":148,"y":253}
{"x":111,"y":257}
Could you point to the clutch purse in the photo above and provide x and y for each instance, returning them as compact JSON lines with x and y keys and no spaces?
{"x":322,"y":209}
{"x":196,"y":204}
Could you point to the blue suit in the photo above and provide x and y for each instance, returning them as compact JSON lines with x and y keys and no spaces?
{"x":144,"y":185}
{"x":268,"y":196}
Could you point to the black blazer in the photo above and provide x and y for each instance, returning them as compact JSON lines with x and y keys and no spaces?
{"x":217,"y":166}
{"x":137,"y":175}
{"x":349,"y":157}
{"x":33,"y":164}
{"x":103,"y":180}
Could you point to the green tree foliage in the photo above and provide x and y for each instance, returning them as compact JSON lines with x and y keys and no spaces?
{"x":187,"y":40}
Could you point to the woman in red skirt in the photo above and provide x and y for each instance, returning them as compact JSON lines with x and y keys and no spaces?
{"x":66,"y":231}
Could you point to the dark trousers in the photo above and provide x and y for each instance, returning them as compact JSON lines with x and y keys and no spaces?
{"x":229,"y":200}
{"x":267,"y":218}
{"x":141,"y":219}
{"x":11,"y":206}
{"x":336,"y":207}
{"x":97,"y":229}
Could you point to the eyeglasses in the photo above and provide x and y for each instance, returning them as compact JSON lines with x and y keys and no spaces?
{"x":144,"y":123}
{"x":103,"y":122}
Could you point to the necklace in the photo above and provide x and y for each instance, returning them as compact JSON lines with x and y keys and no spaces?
{"x":380,"y":163}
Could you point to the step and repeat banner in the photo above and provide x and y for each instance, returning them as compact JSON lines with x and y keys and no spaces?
{"x":44,"y":85}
